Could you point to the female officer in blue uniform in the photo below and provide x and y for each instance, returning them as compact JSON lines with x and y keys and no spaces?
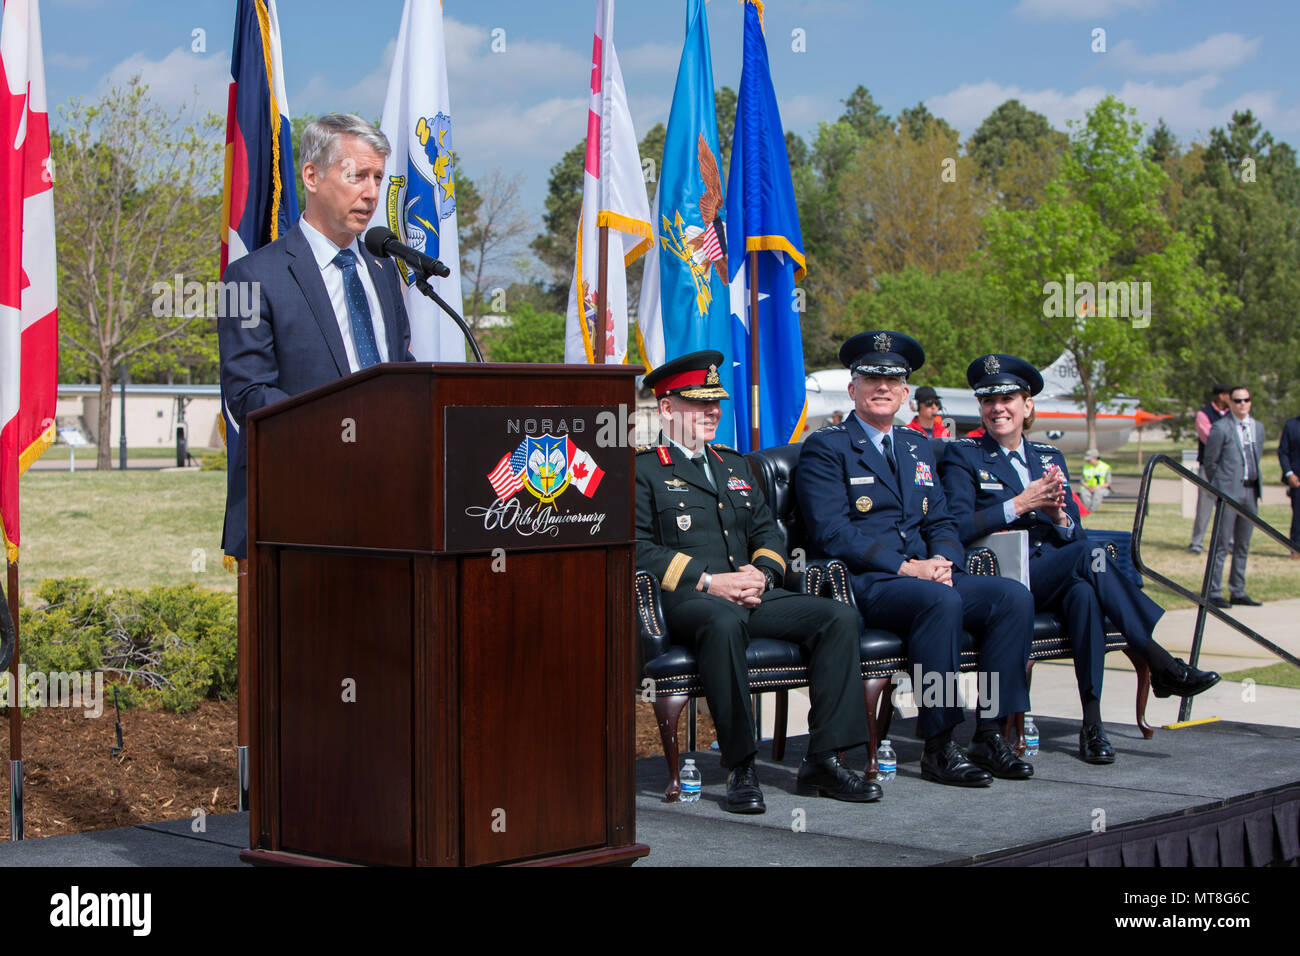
{"x":1002,"y":481}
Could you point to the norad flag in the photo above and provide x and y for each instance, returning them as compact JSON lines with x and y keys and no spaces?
{"x":418,"y":201}
{"x":761,"y":217}
{"x":259,"y":202}
{"x":684,"y":292}
{"x":613,"y":195}
{"x":29,"y":331}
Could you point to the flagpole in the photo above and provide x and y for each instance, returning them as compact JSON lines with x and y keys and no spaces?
{"x":754,"y":440}
{"x":15,"y":720}
{"x":602,"y":269}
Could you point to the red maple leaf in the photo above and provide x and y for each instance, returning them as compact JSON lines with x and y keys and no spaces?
{"x":580,"y":470}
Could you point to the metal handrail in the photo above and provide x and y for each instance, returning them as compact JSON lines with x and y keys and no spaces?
{"x":1202,"y":600}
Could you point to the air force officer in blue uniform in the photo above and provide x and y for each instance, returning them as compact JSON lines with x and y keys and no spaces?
{"x":871,"y":496}
{"x":1002,"y":481}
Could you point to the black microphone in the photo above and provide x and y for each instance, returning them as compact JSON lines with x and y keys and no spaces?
{"x":384,"y":242}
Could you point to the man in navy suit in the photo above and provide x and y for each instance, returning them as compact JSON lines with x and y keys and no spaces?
{"x":1002,"y":481}
{"x":324,"y":307}
{"x":1288,"y":456}
{"x":870,"y":495}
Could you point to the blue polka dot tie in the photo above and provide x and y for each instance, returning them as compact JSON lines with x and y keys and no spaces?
{"x":363,"y":333}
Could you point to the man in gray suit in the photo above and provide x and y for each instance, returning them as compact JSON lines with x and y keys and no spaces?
{"x":1232,"y":454}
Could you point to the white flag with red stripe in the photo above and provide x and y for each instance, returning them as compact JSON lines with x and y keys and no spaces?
{"x":29,"y":332}
{"x":613,"y":195}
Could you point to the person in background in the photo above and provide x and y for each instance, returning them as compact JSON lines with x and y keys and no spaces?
{"x":1096,"y":480}
{"x":1288,"y":456}
{"x":1232,"y":453}
{"x":927,"y":420}
{"x":1210,"y":413}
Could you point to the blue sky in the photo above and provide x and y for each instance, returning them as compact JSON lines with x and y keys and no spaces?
{"x":517,"y":111}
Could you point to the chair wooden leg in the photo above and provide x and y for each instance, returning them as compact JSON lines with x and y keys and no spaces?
{"x":779,"y":720}
{"x":1017,"y":740}
{"x":1143,"y":693}
{"x":872,"y":689}
{"x":667,"y":711}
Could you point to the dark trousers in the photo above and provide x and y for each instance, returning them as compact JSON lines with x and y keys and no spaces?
{"x":1078,"y":582}
{"x":931,"y":616}
{"x":720,"y":632}
{"x":1295,"y":515}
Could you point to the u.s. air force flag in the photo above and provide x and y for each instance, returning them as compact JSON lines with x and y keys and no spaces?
{"x":762,"y":218}
{"x":418,"y":198}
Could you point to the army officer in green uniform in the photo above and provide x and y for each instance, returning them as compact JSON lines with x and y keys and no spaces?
{"x":705,"y":530}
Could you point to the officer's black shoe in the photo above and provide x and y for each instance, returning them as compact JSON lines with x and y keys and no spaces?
{"x":1247,"y":601}
{"x":950,"y":765}
{"x":994,"y":754}
{"x":1220,"y":603}
{"x":1181,"y":680}
{"x":824,"y":775}
{"x":1093,"y":745}
{"x":743,"y":795}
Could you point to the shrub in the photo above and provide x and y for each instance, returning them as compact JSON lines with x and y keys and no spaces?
{"x":165,"y":647}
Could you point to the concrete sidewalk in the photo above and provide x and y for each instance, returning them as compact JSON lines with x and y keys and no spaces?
{"x":1223,"y":649}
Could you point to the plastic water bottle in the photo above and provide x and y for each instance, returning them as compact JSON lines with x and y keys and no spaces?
{"x":1031,"y":737}
{"x":886,"y":763}
{"x":690,"y":782}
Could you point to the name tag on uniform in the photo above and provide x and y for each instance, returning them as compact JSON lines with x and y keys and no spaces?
{"x":862,"y":480}
{"x":991,"y":486}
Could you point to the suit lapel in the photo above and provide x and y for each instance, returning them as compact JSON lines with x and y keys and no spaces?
{"x":384,"y":292}
{"x":872,"y":459}
{"x":307,"y":274}
{"x":907,"y":459}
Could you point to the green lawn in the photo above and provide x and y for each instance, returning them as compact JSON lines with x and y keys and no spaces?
{"x":1270,"y":576}
{"x":1280,"y":674}
{"x":134,"y":528}
{"x":1124,"y":461}
{"x":86,"y":453}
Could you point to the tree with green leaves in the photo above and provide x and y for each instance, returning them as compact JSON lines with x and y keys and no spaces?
{"x":1245,"y":198}
{"x":1101,"y":226}
{"x":1017,"y":152}
{"x":531,"y":336}
{"x":137,"y":202}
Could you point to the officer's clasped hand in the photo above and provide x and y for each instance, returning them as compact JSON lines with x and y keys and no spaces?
{"x":744,"y":587}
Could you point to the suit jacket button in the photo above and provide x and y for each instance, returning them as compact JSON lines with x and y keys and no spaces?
{"x":719,"y":504}
{"x":681,"y":504}
{"x":726,"y":532}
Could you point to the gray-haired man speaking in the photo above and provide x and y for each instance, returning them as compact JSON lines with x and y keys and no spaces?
{"x":324,"y":306}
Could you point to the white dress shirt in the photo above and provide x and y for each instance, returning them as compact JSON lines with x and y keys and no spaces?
{"x":324,"y":250}
{"x":1021,"y":468}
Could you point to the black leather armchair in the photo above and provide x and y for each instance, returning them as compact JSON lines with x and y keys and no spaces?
{"x":778,"y":665}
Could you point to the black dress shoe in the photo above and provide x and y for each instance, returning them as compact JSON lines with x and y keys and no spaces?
{"x":825,"y":776}
{"x":1093,"y":745}
{"x":743,"y":795}
{"x":1221,"y":603}
{"x":1180,"y":680}
{"x":951,"y":766}
{"x":994,"y":754}
{"x":1247,"y":601}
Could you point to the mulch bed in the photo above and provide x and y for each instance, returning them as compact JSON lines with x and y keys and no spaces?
{"x":171,"y":765}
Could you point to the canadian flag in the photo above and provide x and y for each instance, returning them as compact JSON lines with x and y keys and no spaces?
{"x":29,"y":332}
{"x":583,"y":472}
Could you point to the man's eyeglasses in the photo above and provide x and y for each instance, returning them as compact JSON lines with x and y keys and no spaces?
{"x":1240,"y":401}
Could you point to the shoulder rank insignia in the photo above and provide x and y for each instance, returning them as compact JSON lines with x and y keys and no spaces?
{"x":664,"y":457}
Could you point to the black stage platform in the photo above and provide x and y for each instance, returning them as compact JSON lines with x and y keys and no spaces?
{"x":1213,"y":794}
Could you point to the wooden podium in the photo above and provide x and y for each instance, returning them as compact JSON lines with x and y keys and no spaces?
{"x":441,"y":667}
